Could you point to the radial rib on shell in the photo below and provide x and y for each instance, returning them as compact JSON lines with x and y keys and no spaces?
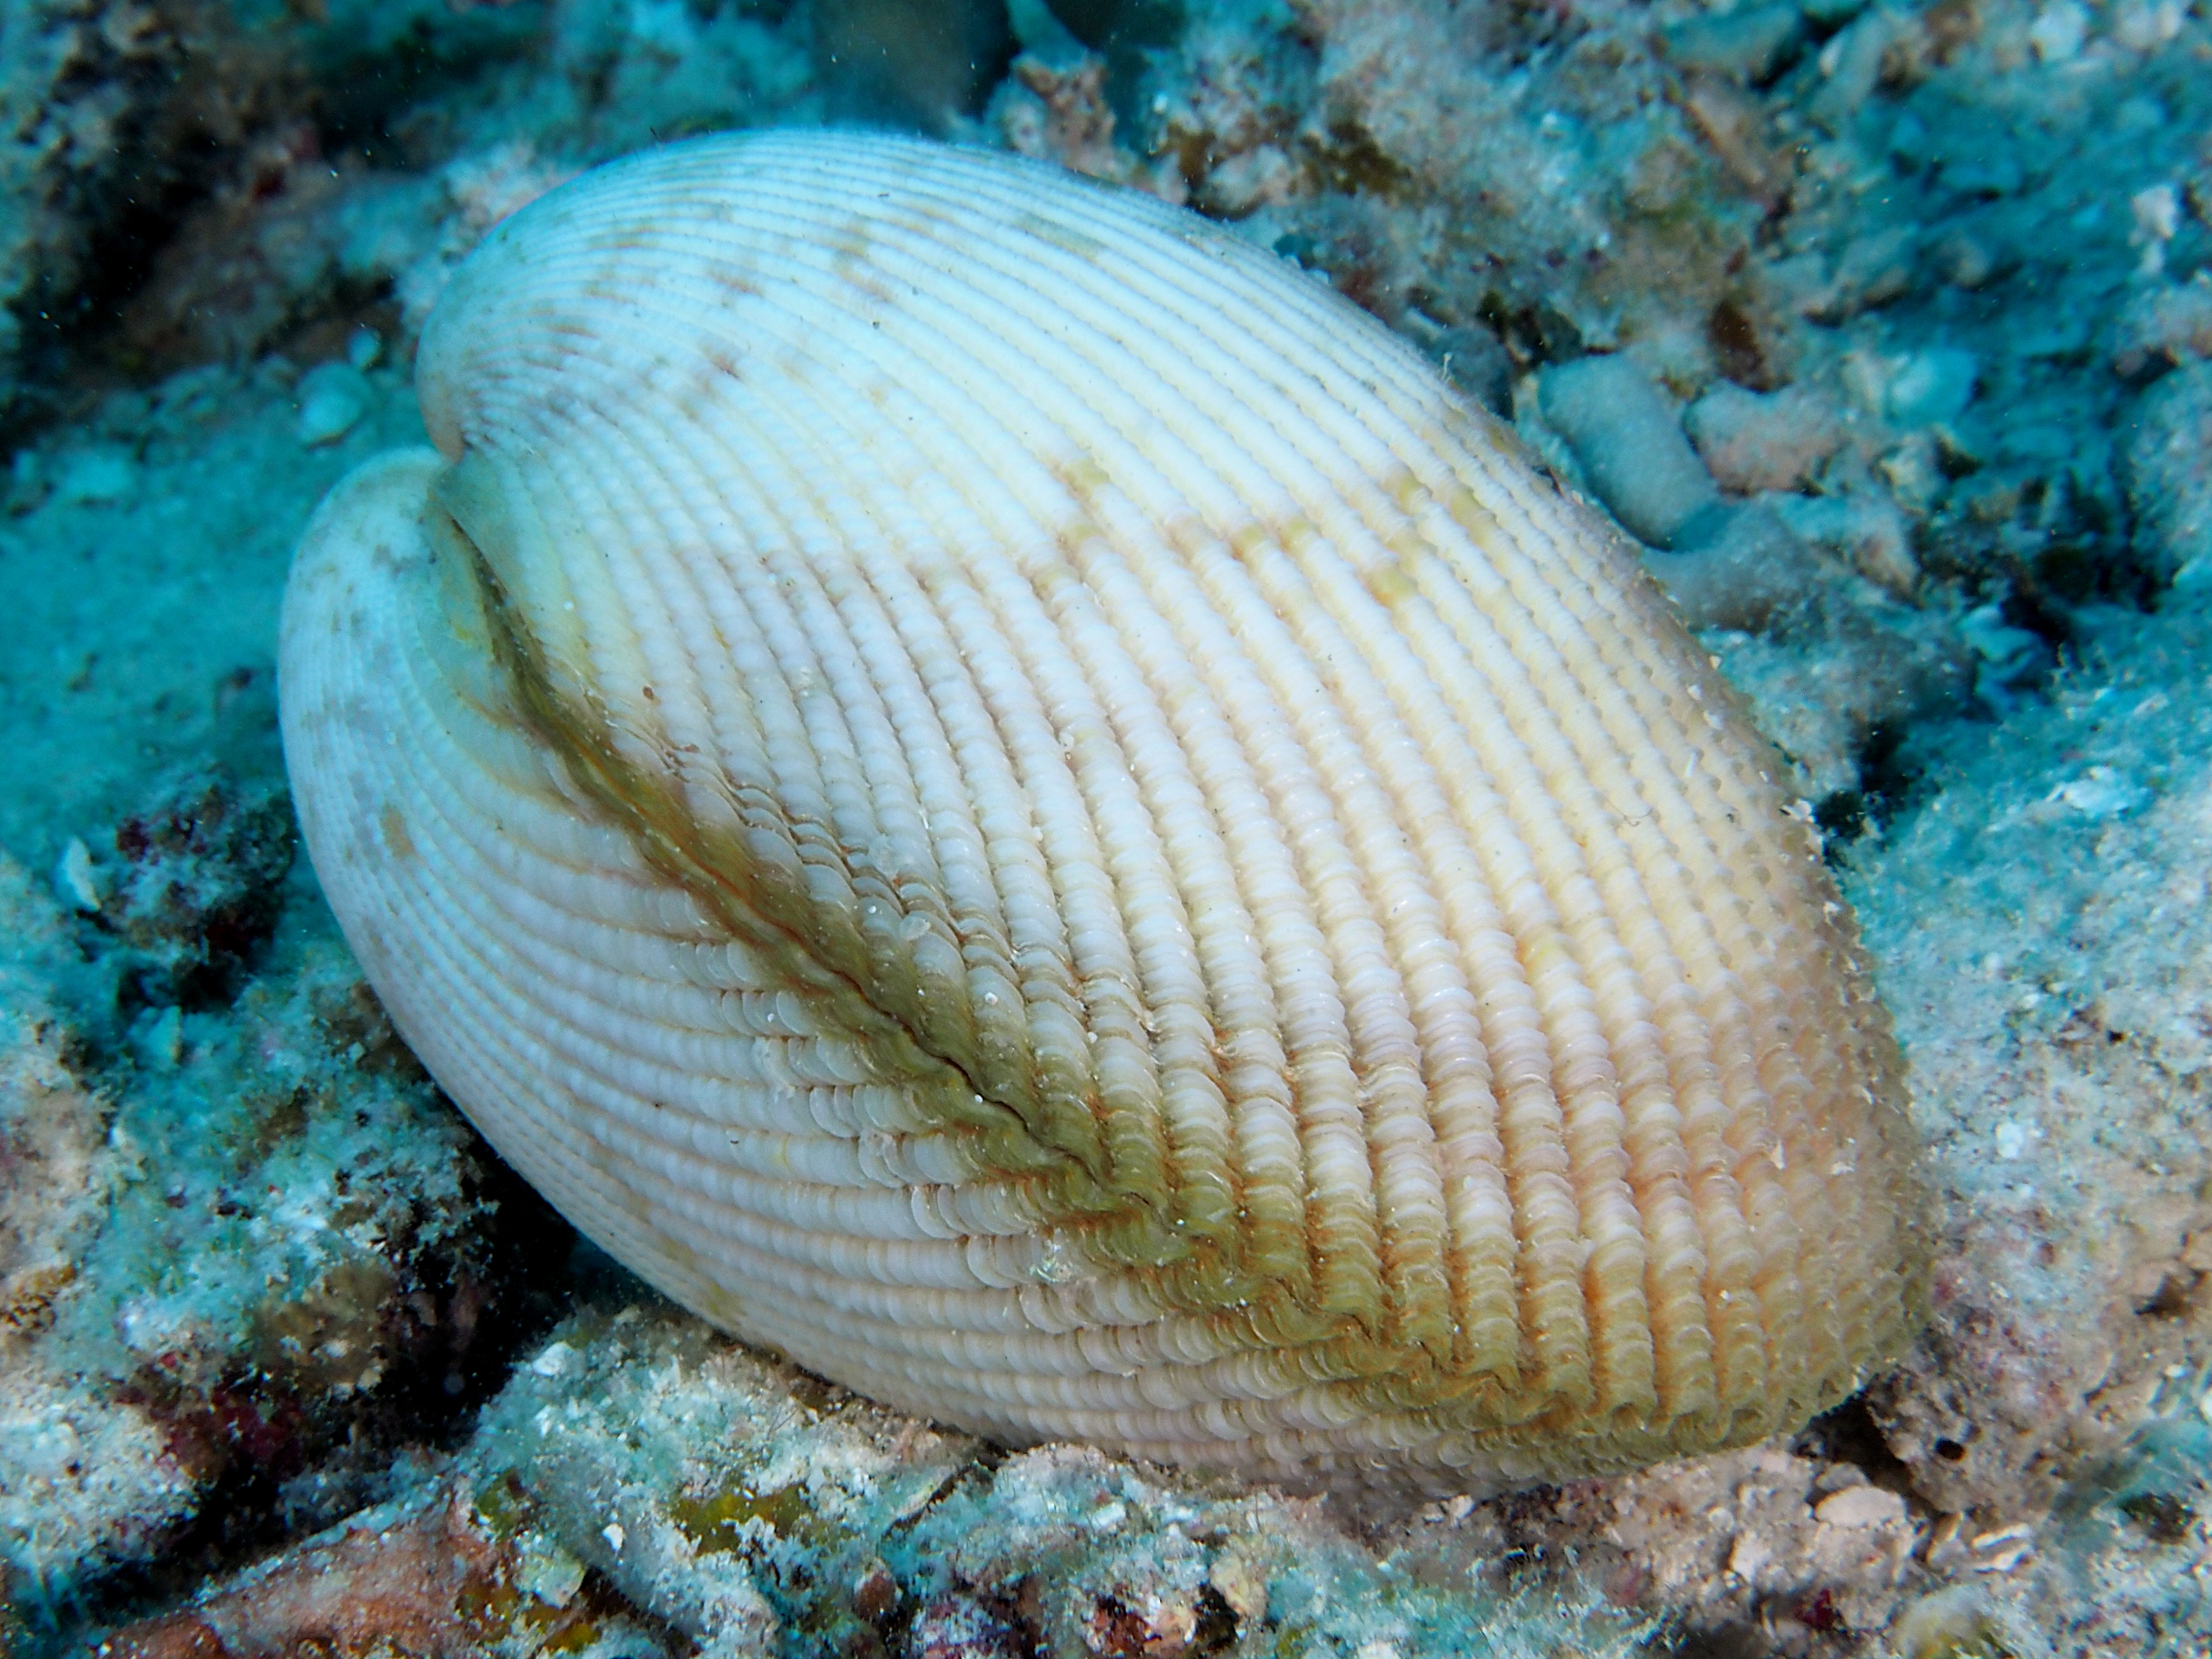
{"x":992,"y":788}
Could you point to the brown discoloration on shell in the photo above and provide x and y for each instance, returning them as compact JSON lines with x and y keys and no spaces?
{"x":394,"y":826}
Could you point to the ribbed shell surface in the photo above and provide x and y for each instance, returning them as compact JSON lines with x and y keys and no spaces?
{"x":994,"y":788}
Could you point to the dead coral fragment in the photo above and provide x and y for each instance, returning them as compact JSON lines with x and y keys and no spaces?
{"x":1752,"y":442}
{"x":742,"y":1502}
{"x":418,"y":1578}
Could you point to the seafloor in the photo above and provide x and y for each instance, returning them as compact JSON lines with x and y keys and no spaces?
{"x":1891,"y":324}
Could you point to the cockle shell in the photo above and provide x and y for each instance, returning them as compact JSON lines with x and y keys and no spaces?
{"x":992,"y":786}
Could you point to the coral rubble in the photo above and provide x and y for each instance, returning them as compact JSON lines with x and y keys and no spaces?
{"x":248,"y":1254}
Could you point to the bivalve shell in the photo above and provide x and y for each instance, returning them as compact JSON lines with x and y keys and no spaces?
{"x":992,"y":786}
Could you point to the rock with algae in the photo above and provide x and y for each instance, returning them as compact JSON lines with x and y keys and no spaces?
{"x":2038,"y":919}
{"x":417,"y":1575}
{"x":644,"y":1479}
{"x":82,"y":1479}
{"x":244,"y":1250}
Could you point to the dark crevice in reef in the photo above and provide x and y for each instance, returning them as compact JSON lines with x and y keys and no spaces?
{"x":192,"y":98}
{"x":1734,"y":1640}
{"x":364,"y":94}
{"x":1849,"y":1433}
{"x":1890,"y":772}
{"x":210,"y":112}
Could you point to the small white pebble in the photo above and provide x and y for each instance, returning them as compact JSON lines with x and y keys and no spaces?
{"x":2008,"y":651}
{"x":2157,"y":212}
{"x":2144,"y":27}
{"x":548,"y":1572}
{"x":165,"y":1041}
{"x":75,"y":878}
{"x":1748,"y":1555}
{"x":2102,"y":791}
{"x":2059,"y":32}
{"x":613,"y":1532}
{"x":1928,"y":387}
{"x":2012,"y":1140}
{"x":332,"y":398}
{"x":1459,"y":1508}
{"x":554,"y":1361}
{"x":1106,"y":1516}
{"x":1860,"y":1506}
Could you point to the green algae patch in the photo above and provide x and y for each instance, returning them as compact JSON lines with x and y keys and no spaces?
{"x":502,"y":1505}
{"x":722,"y":1519}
